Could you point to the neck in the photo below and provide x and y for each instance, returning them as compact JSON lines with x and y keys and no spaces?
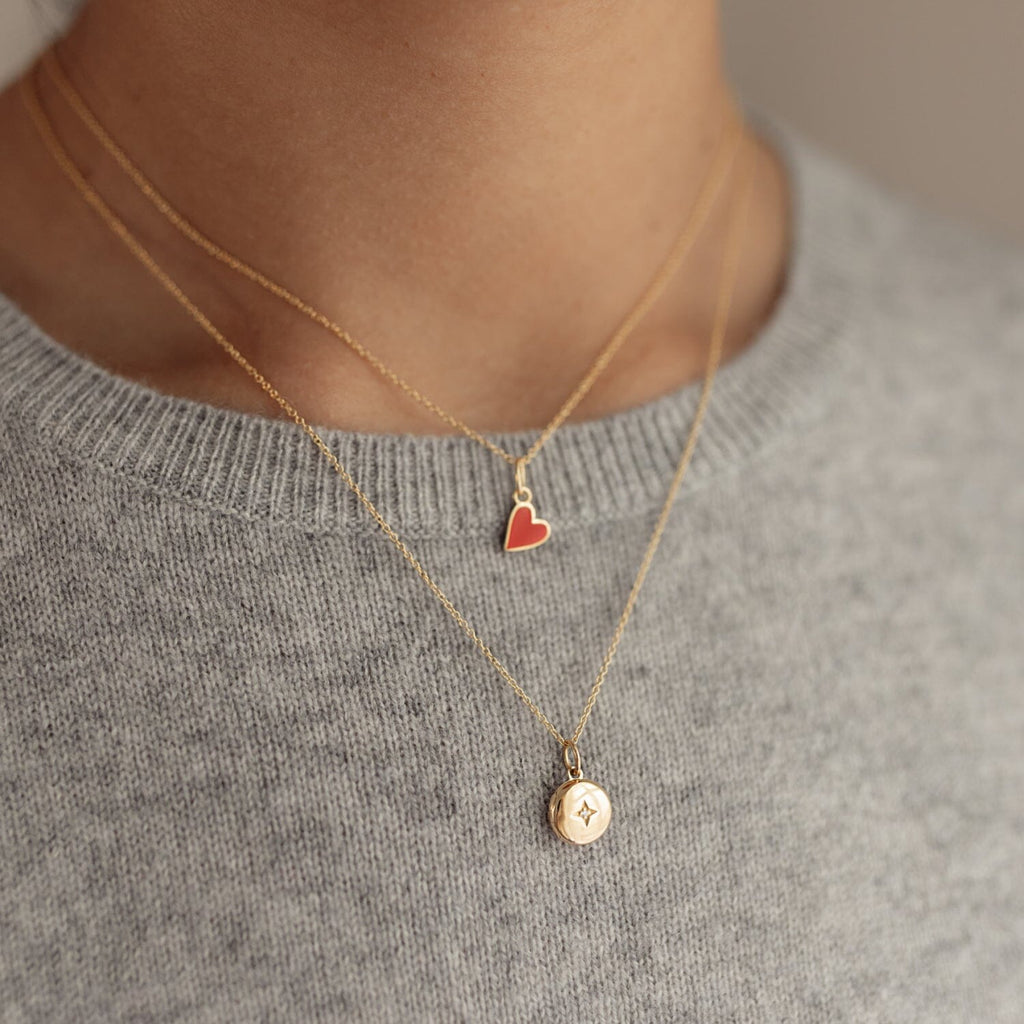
{"x":449,"y":181}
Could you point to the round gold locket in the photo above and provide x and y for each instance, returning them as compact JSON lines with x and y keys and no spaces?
{"x":579,"y":810}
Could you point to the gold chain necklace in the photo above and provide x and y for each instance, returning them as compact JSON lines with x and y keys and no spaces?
{"x":524,"y":530}
{"x":579,"y":810}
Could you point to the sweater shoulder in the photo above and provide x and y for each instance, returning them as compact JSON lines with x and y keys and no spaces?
{"x":924,"y":270}
{"x":937,"y":303}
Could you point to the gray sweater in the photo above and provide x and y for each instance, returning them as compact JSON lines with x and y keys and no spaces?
{"x":251,"y":771}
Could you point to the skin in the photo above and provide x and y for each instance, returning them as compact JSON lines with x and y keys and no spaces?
{"x":479,"y":192}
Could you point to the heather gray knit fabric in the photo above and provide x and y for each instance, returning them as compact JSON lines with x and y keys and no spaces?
{"x":251,"y":771}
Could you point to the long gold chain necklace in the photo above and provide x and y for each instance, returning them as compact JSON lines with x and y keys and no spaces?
{"x":579,"y":810}
{"x":524,"y":529}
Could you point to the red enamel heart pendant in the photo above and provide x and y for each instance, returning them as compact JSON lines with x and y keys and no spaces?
{"x":525,"y":528}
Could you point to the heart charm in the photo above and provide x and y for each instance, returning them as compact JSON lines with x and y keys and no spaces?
{"x":525,"y":529}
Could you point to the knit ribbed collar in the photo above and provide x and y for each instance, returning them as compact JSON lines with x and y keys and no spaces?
{"x":607,"y":468}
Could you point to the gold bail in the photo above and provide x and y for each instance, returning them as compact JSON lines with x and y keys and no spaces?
{"x":574,"y":766}
{"x":522,"y":492}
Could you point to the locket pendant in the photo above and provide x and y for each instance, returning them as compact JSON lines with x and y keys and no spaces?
{"x":579,"y":810}
{"x":525,"y":529}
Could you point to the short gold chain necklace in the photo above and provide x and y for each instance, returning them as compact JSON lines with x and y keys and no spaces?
{"x":524,"y":529}
{"x":579,"y":810}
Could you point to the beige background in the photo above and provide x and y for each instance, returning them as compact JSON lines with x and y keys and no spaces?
{"x":927,"y":94}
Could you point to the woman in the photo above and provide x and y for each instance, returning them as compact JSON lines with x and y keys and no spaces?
{"x":353,"y":355}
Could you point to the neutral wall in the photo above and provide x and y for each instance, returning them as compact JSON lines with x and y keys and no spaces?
{"x":929,"y":94}
{"x":925,"y":93}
